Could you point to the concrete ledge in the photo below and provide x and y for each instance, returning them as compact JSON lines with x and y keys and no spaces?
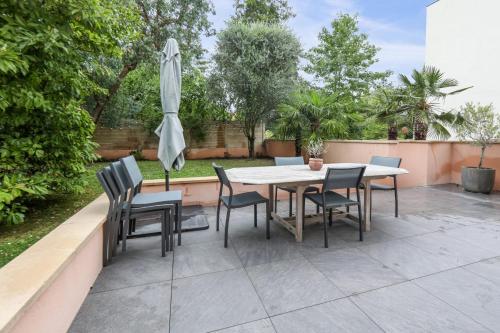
{"x":42,"y":289}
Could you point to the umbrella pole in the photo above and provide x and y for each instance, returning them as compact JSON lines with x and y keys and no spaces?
{"x":167,"y":181}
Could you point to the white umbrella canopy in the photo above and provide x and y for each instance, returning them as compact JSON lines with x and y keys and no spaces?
{"x":172,"y":145}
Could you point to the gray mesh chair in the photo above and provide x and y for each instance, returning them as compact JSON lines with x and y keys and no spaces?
{"x":123,"y":211}
{"x":238,"y":201}
{"x":137,"y":200}
{"x":299,"y":160}
{"x":393,"y":162}
{"x":328,"y":199}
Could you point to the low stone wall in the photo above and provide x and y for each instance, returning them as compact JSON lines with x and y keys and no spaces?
{"x":223,"y":140}
{"x":429,"y":162}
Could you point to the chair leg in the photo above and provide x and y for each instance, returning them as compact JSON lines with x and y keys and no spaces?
{"x":330,"y":219}
{"x":255,"y":216}
{"x":348,"y":197}
{"x":268,"y":221}
{"x":360,"y":220}
{"x":325,"y":229}
{"x":396,"y":213}
{"x":371,"y":202}
{"x":227,"y":226}
{"x":126,"y":224}
{"x":290,"y":198}
{"x":317,"y":206}
{"x":303,"y":211}
{"x":179,"y":224}
{"x":171,"y":222}
{"x":163,"y":232}
{"x":217,"y":216}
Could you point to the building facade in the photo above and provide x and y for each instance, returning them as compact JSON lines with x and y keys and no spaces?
{"x":463,"y":40}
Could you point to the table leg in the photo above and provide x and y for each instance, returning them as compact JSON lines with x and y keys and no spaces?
{"x":367,"y":203}
{"x":299,"y":209}
{"x":271,"y":197}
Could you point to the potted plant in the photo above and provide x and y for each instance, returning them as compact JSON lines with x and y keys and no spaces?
{"x":481,"y":127}
{"x":315,"y":148}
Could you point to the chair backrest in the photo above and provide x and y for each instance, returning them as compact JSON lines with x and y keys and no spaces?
{"x":393,"y":162}
{"x":341,"y":178}
{"x":107,"y":189}
{"x":221,"y":174}
{"x":121,"y":179}
{"x":112,"y":182}
{"x":288,"y":160}
{"x":132,"y":171}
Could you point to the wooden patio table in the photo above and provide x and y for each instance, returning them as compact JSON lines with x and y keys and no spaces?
{"x":299,"y":177}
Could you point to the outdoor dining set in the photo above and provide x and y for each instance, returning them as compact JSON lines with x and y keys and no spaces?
{"x":122,"y":182}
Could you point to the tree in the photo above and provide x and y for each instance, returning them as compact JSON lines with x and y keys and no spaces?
{"x":426,"y":90}
{"x":343,"y":58}
{"x":267,"y":11}
{"x":479,"y":125}
{"x":45,"y":135}
{"x":256,"y":64}
{"x":185,"y":20}
{"x":313,"y":115}
{"x":388,"y":106}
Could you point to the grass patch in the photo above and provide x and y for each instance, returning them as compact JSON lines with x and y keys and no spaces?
{"x":45,"y":215}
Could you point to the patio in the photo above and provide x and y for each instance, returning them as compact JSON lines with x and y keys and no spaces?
{"x":436,"y":268}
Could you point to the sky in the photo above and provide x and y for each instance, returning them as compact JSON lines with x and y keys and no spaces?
{"x":397,"y":27}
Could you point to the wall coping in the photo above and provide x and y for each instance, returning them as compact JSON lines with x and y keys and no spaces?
{"x":178,"y":181}
{"x":390,"y":141}
{"x":24,"y":279}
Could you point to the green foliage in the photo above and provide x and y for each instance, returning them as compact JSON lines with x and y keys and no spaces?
{"x":256,"y":65}
{"x":45,"y":135}
{"x":479,"y":124}
{"x":425,"y":91}
{"x":142,"y":87}
{"x":267,"y":11}
{"x":343,"y":58}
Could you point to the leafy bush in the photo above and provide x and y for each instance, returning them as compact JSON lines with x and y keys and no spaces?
{"x":46,"y":48}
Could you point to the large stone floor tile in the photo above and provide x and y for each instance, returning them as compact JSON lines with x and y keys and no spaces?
{"x":259,"y":326}
{"x":137,"y":309}
{"x":259,"y":250}
{"x":128,"y":270}
{"x":292,"y":284}
{"x":203,"y":258}
{"x":408,"y":260}
{"x":486,"y":236}
{"x":471,"y":294}
{"x":337,"y":316}
{"x":488,"y":269}
{"x":408,"y":308}
{"x":214,"y":301}
{"x":354,"y":271}
{"x":398,"y":227}
{"x":461,"y":252}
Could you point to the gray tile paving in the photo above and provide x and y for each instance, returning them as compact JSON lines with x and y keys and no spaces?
{"x":203,"y":258}
{"x":286,"y":285}
{"x":214,"y":301}
{"x":353,"y":271}
{"x":446,"y":242}
{"x":469,"y":293}
{"x":337,"y":316}
{"x":408,"y":308}
{"x":136,"y":309}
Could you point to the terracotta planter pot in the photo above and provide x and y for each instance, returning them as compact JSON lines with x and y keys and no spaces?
{"x":315,"y":164}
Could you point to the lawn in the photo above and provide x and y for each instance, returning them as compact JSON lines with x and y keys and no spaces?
{"x":48,"y":214}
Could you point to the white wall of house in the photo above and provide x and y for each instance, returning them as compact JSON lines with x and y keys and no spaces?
{"x":463,"y":40}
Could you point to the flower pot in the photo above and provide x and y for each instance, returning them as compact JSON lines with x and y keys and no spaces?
{"x":315,"y":164}
{"x":478,"y":180}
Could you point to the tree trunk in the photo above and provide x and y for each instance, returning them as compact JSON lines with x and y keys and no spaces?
{"x":251,"y":147}
{"x":420,"y":130}
{"x":392,"y":132}
{"x":483,"y":148}
{"x":298,"y":143}
{"x":102,"y":102}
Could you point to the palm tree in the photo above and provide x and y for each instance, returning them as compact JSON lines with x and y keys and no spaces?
{"x":388,"y":106}
{"x":427,"y":89}
{"x":313,"y":115}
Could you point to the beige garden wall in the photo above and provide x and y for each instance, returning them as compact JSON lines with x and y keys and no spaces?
{"x":429,"y":162}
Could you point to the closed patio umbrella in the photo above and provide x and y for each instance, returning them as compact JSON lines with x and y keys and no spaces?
{"x":171,"y":147}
